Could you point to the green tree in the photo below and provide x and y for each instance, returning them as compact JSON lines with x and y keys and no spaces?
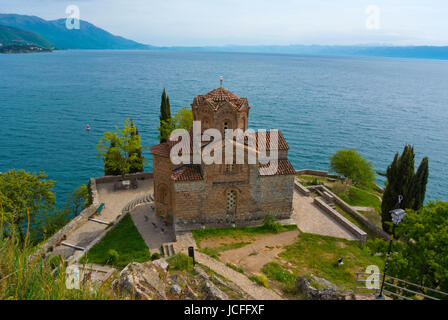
{"x":165,"y":115}
{"x":183,"y":119}
{"x":111,"y":159}
{"x":121,"y":159}
{"x":420,"y":256}
{"x":78,"y":200}
{"x":421,"y":179}
{"x":24,"y":197}
{"x":402,"y":180}
{"x":136,"y":155}
{"x":349,"y":163}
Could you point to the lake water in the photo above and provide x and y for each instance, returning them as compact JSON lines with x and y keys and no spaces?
{"x":321,"y":104}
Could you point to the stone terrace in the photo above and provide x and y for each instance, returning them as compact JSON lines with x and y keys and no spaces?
{"x":114,"y":202}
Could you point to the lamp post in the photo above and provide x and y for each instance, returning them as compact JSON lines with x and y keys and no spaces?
{"x":397,"y":215}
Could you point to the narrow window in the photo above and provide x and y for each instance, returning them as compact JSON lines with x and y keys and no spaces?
{"x":231,"y":201}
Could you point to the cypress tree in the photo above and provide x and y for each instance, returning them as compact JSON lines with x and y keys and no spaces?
{"x":421,"y":179}
{"x":136,"y":157}
{"x":402,"y":180}
{"x":165,"y":111}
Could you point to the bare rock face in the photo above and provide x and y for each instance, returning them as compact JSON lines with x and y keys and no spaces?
{"x":201,"y":273}
{"x":141,"y":281}
{"x":316,"y":288}
{"x":213,"y":293}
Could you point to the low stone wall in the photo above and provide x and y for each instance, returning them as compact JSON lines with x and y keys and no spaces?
{"x":360,"y":234}
{"x":138,"y":176}
{"x":318,"y":173}
{"x":347,"y":208}
{"x":369,"y":225}
{"x":303,"y":190}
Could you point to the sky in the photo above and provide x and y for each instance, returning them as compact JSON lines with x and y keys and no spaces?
{"x":256,"y":22}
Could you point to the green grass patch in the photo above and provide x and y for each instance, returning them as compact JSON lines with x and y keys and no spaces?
{"x":125,"y":240}
{"x":260,"y":280}
{"x":216,"y":252}
{"x":181,"y":261}
{"x":361,"y":198}
{"x":312,"y":180}
{"x":355,"y":221}
{"x":234,"y":267}
{"x":275,"y":272}
{"x":238,"y":232}
{"x":318,"y":255}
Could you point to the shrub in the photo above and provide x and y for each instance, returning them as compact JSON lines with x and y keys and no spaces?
{"x":112,"y":256}
{"x":155,"y":256}
{"x":260,"y":280}
{"x":270,"y":224}
{"x":181,"y":261}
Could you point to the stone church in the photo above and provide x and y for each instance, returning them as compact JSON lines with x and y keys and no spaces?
{"x":194,"y":195}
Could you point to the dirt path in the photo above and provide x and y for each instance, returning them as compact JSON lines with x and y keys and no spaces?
{"x":254,"y":290}
{"x":255,"y":255}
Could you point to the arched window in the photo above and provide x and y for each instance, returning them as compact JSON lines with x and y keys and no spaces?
{"x":231,"y":201}
{"x":163,"y":194}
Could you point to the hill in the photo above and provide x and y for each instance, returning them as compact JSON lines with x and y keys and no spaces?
{"x":16,"y":37}
{"x":87,"y":37}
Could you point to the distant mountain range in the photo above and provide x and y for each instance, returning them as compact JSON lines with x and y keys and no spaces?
{"x":87,"y":36}
{"x":54,"y":33}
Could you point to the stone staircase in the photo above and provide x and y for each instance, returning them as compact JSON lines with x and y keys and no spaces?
{"x":136,"y":202}
{"x":167,"y":249}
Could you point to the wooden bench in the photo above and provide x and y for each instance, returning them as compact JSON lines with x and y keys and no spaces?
{"x":100,"y":208}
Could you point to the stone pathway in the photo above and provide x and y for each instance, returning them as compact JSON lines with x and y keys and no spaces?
{"x":251,"y":288}
{"x":311,"y":219}
{"x":150,"y":227}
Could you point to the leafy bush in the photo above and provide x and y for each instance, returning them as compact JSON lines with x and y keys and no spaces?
{"x":270,"y":224}
{"x":181,"y":261}
{"x":352,"y":165}
{"x":155,"y":256}
{"x":112,"y":256}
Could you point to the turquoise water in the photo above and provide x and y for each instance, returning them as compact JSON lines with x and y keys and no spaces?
{"x":321,"y":104}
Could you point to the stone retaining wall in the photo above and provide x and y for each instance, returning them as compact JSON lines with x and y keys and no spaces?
{"x":139,"y":176}
{"x":347,"y":208}
{"x":318,"y":173}
{"x":360,"y":234}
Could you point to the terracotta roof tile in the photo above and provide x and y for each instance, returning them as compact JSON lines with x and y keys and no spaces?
{"x":219,"y":95}
{"x":187,"y":173}
{"x":162,"y":149}
{"x":284,"y":167}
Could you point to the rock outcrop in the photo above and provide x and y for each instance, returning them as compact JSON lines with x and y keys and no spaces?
{"x":315,"y":288}
{"x":141,"y":281}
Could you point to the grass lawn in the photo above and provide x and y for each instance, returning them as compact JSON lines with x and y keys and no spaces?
{"x":361,"y":198}
{"x":236,"y":233}
{"x":124,"y":239}
{"x":318,"y":255}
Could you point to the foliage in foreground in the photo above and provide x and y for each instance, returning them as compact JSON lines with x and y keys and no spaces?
{"x":31,"y":278}
{"x":349,"y":163}
{"x":127,"y":243}
{"x":181,"y":261}
{"x":421,"y":255}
